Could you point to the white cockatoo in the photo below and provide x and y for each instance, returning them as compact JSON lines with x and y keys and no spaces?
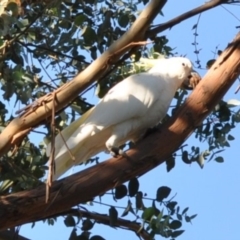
{"x":125,"y":113}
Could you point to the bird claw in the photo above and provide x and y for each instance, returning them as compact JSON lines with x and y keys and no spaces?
{"x":192,"y":81}
{"x":115,"y":152}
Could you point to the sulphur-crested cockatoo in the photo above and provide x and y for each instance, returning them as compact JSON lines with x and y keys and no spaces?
{"x":125,"y":113}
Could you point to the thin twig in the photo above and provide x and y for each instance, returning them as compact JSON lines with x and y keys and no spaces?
{"x":51,"y":169}
{"x":105,"y":219}
{"x":196,"y":49}
{"x":27,"y":45}
{"x":68,"y":149}
{"x":231,"y":13}
{"x":162,"y":27}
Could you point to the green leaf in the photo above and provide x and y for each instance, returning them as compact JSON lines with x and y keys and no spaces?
{"x":236,"y":117}
{"x":90,"y":1}
{"x":65,"y":24}
{"x":93,"y":52}
{"x":224,"y":112}
{"x":119,"y":3}
{"x":145,"y":2}
{"x":179,"y":217}
{"x":157,"y":211}
{"x":193,"y":216}
{"x":73,"y":235}
{"x":1,"y":40}
{"x":139,"y":201}
{"x":89,"y":36}
{"x":194,"y":26}
{"x":171,"y":205}
{"x":123,"y":20}
{"x":83,"y":236}
{"x":13,"y":7}
{"x":35,"y":69}
{"x":77,"y":108}
{"x":101,"y":89}
{"x":128,"y":209}
{"x":230,"y":137}
{"x":210,"y":63}
{"x":97,"y":237}
{"x":219,"y":159}
{"x":148,"y":213}
{"x":133,"y":186}
{"x":5,"y":185}
{"x":50,"y":221}
{"x":185,"y":210}
{"x":120,"y":191}
{"x":226,"y":128}
{"x":215,"y":154}
{"x":113,"y":216}
{"x":87,"y":225}
{"x":69,"y":221}
{"x":187,"y":218}
{"x":161,"y":13}
{"x":17,"y":58}
{"x":233,"y":103}
{"x":175,"y":224}
{"x":201,"y":158}
{"x":166,"y":220}
{"x":185,"y":158}
{"x":31,"y":36}
{"x":23,"y":23}
{"x":170,"y":163}
{"x":206,"y":130}
{"x":177,"y":233}
{"x":162,"y":192}
{"x":159,"y":216}
{"x":88,"y":10}
{"x":79,"y":20}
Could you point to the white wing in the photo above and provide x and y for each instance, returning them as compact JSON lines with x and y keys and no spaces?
{"x":131,"y":98}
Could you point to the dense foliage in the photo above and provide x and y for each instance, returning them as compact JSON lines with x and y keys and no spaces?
{"x":44,"y":44}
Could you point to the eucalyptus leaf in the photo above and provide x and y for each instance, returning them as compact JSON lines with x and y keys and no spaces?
{"x":233,"y":103}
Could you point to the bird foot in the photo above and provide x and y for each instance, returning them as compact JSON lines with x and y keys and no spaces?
{"x":115,"y":152}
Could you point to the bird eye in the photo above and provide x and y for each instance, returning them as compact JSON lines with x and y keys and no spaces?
{"x":183,"y":64}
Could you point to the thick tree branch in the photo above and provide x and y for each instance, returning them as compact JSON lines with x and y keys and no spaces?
{"x":71,"y":90}
{"x":27,"y":206}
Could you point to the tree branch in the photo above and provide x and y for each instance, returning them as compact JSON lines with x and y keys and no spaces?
{"x":206,"y":6}
{"x":68,"y":92}
{"x":27,"y":206}
{"x":11,"y":235}
{"x":104,"y":219}
{"x":93,"y":72}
